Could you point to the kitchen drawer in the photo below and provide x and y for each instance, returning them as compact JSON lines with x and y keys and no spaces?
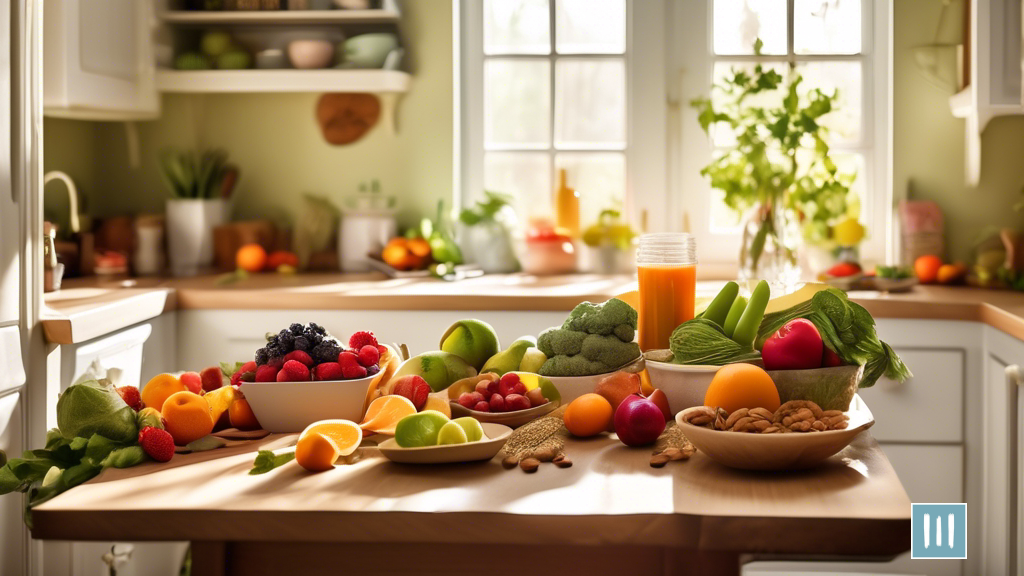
{"x":926,"y":408}
{"x":13,"y":543}
{"x":120,"y":352}
{"x":928,"y":474}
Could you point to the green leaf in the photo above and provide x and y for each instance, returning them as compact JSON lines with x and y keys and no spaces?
{"x":125,"y":457}
{"x":267,"y":461}
{"x":228,"y":369}
{"x":205,"y":443}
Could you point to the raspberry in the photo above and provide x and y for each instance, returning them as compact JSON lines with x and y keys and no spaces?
{"x":482,"y":406}
{"x":507,"y":384}
{"x":382,"y":349}
{"x":236,"y":378}
{"x":369,"y":355}
{"x":353,"y":372}
{"x":328,"y":371}
{"x":212,"y":378}
{"x":131,"y":396}
{"x":360,"y":339}
{"x":299,"y":356}
{"x":497,"y":403}
{"x":266,"y":373}
{"x":348,"y":359}
{"x":293,"y":371}
{"x":192,"y":381}
{"x":515,"y":402}
{"x":157,"y":443}
{"x":467,"y":400}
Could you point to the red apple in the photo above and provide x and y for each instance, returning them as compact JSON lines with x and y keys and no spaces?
{"x":829,"y":359}
{"x":796,"y":346}
{"x":638,"y":421}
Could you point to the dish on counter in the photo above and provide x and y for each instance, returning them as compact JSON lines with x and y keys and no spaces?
{"x":484,"y":449}
{"x":513,"y":399}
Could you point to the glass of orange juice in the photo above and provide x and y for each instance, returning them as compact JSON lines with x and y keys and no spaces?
{"x":667,"y":274}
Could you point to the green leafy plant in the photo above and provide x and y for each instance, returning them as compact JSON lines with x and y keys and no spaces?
{"x":188,"y":175}
{"x":781,"y":158}
{"x":485,"y":210}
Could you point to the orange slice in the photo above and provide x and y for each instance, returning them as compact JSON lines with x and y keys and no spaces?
{"x":384,"y":413}
{"x":323,"y":442}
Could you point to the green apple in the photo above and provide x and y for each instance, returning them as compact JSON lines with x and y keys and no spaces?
{"x":474,"y":431}
{"x":439,"y":369}
{"x":451,"y":433}
{"x":472,"y":340}
{"x":420,"y":429}
{"x":214,"y":43}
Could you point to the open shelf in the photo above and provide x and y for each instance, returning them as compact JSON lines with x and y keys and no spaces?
{"x":288,"y":80}
{"x":278,"y":17}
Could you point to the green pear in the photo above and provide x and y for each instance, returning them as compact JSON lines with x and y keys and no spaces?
{"x":509,"y":359}
{"x":472,"y":340}
{"x":439,"y":369}
{"x":532,"y":360}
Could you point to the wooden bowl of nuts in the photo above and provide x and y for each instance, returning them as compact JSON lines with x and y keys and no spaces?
{"x":797,"y":435}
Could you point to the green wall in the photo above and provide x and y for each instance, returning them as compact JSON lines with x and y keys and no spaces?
{"x":928,"y":142}
{"x":276,"y":142}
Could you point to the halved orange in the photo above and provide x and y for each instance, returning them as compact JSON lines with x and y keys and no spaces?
{"x":384,"y":413}
{"x":323,"y":442}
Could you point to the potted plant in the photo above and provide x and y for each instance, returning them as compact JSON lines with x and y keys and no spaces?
{"x":197,"y":205}
{"x":779,"y":171}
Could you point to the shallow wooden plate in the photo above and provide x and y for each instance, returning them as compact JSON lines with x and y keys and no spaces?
{"x":510,"y":419}
{"x":483,"y":449}
{"x":778,"y":451}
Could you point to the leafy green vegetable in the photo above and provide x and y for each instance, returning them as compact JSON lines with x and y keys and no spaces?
{"x":267,"y":461}
{"x":845,"y":327}
{"x":124,"y":457}
{"x":89,"y":408}
{"x":485,"y":210}
{"x":893,"y":272}
{"x":701,"y":341}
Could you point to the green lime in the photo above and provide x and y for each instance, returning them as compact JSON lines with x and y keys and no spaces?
{"x":420,"y":429}
{"x":451,"y":433}
{"x":474,"y":431}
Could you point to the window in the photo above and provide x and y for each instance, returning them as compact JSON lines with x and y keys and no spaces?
{"x":834,"y":44}
{"x":547,"y":85}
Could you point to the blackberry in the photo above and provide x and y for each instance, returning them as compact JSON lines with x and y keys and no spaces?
{"x":296,"y":329}
{"x":326,"y":351}
{"x":262,"y":357}
{"x":286,"y":340}
{"x":317,"y":328}
{"x":371,"y":370}
{"x":301,"y":343}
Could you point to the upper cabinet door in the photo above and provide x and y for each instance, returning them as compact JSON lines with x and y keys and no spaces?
{"x":98,"y":61}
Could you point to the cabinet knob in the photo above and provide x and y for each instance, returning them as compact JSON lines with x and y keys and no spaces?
{"x":1013,"y":376}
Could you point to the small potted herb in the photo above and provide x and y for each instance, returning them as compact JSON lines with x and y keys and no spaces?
{"x":199,"y":185}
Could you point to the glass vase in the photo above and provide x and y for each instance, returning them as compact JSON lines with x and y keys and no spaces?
{"x":770,"y":248}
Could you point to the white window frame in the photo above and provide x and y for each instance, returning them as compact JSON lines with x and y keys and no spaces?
{"x":693,"y":58}
{"x":646,"y":150}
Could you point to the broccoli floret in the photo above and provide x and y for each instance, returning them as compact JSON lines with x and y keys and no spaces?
{"x":625,"y":332}
{"x":558,"y":341}
{"x":600,"y":318}
{"x":609,"y":350}
{"x":576,"y":365}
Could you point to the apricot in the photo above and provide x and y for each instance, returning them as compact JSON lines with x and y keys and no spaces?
{"x":242,"y":416}
{"x":588,"y":415}
{"x":159,"y":389}
{"x":188,"y":417}
{"x":617,"y":387}
{"x":737,"y":386}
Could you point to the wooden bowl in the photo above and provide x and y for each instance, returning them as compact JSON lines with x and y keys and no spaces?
{"x":483,"y":449}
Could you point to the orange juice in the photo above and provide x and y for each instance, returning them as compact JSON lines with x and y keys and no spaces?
{"x":667,"y":295}
{"x":667,"y":277}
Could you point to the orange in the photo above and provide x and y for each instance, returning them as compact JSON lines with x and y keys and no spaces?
{"x":927,"y":268}
{"x":241,"y":415}
{"x":384,"y":413}
{"x":282,"y":258}
{"x":251,"y":258}
{"x":419,"y":250}
{"x":323,"y":442}
{"x":950,"y":273}
{"x":588,"y":415}
{"x":159,"y":389}
{"x":396,"y":254}
{"x":737,"y":386}
{"x":188,"y":417}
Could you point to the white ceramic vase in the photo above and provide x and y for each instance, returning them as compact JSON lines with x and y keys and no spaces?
{"x":190,"y":224}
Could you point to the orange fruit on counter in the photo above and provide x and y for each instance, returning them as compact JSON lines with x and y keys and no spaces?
{"x":419,"y":247}
{"x":588,"y":415}
{"x":396,"y":254}
{"x":159,"y":389}
{"x":188,"y":417}
{"x":950,"y":273}
{"x":323,"y":442}
{"x":927,"y":268}
{"x":251,"y":258}
{"x":241,"y":415}
{"x":280,"y":258}
{"x":737,"y":386}
{"x":384,"y":413}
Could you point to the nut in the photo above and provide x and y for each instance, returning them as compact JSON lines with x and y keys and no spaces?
{"x":510,"y":462}
{"x":659,"y":460}
{"x":562,"y":461}
{"x":529,"y":464}
{"x":545,"y":453}
{"x":735,"y":417}
{"x":699,"y":416}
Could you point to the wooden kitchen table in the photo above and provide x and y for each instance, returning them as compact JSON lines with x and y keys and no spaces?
{"x":610,"y":513}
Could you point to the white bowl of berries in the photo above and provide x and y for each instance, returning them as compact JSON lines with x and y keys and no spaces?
{"x":512,"y":399}
{"x":304,"y":375}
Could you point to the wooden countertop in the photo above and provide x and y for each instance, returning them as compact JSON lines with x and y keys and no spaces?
{"x":854,"y":505}
{"x":87,"y":308}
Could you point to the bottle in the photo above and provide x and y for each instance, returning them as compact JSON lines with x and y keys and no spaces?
{"x":667,"y":277}
{"x":567,"y":207}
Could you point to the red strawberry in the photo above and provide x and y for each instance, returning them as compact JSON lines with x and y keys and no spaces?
{"x":293,"y":371}
{"x":369,"y":355}
{"x":353,"y":372}
{"x":131,"y":396}
{"x":249,"y":366}
{"x":349,"y":359}
{"x":157,"y":443}
{"x":212,"y":378}
{"x":360,"y":339}
{"x":192,"y":381}
{"x":497,"y":403}
{"x":328,"y":371}
{"x":266,"y":373}
{"x":300,"y":356}
{"x":413,"y":387}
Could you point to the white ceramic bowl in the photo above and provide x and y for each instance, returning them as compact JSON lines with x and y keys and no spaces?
{"x":683,"y":385}
{"x":572,"y":387}
{"x":483,"y":449}
{"x":309,"y":54}
{"x":291,"y":406}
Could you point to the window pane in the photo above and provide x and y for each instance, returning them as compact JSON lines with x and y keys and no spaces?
{"x":599,"y":178}
{"x":524,"y":175}
{"x":844,"y":122}
{"x":738,"y":23}
{"x":590,"y":26}
{"x":590,"y":103}
{"x":517,"y":103}
{"x":827,"y":26}
{"x":517,"y":27}
{"x":721,"y":134}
